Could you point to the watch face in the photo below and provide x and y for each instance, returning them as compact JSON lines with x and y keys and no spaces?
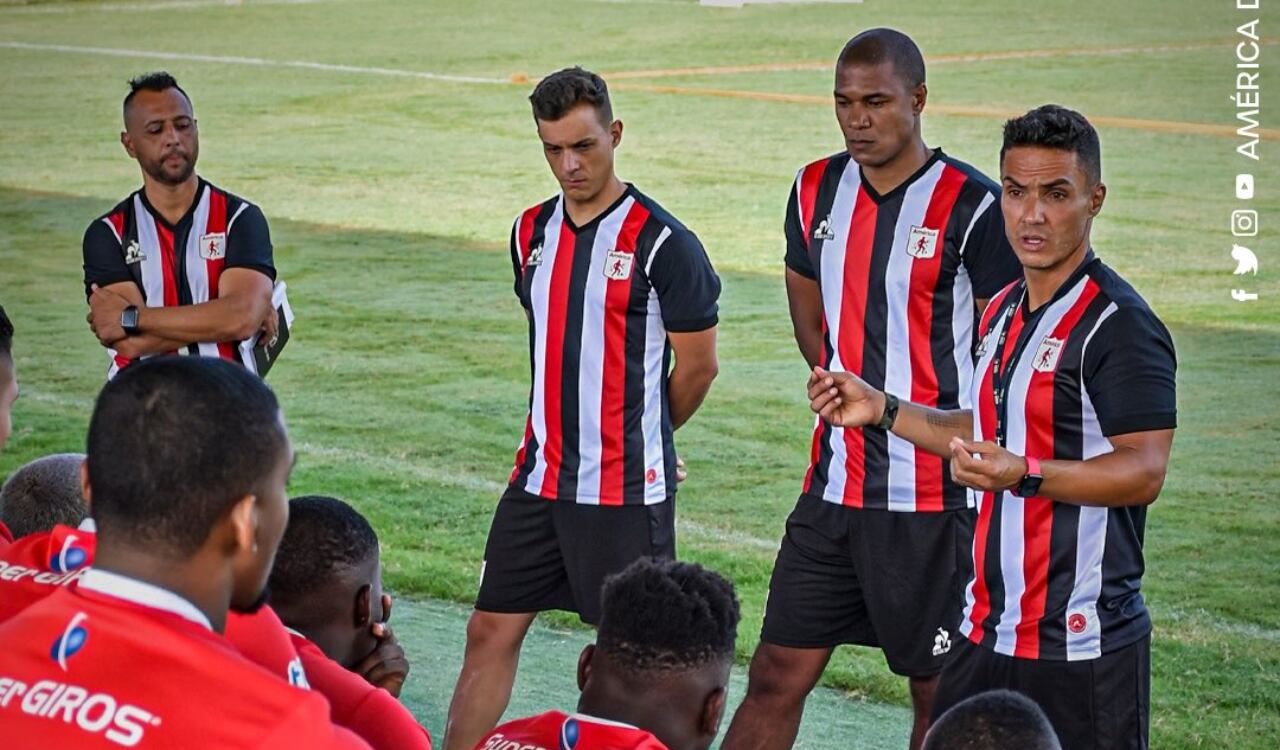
{"x":1029,"y":486}
{"x":129,"y":318}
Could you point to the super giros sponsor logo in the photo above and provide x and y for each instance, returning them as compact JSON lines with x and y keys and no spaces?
{"x":96,"y":713}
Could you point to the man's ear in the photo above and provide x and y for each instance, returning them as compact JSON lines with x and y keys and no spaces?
{"x":918,"y":98}
{"x":86,"y":491}
{"x":362,"y":614}
{"x":615,"y":132}
{"x":1096,"y":200}
{"x":584,"y":664}
{"x":713,"y":711}
{"x":243,"y":526}
{"x":127,"y":142}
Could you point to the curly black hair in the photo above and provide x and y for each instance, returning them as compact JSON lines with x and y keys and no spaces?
{"x":42,"y":494}
{"x":994,"y":719}
{"x":324,"y":536}
{"x":563,"y":90}
{"x":159,"y":80}
{"x":663,"y":615}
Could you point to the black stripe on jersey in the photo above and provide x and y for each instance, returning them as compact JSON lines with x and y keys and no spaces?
{"x":875,"y":487}
{"x":571,"y":435}
{"x":822,"y":203}
{"x":668,"y":432}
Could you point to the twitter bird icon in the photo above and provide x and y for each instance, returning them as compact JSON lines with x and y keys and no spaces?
{"x":1246,"y":261}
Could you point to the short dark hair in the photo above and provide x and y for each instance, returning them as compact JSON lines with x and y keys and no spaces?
{"x":324,"y":537}
{"x":174,"y":442}
{"x":158,"y":80}
{"x":876,"y":46}
{"x":993,"y":720}
{"x":6,"y":334}
{"x":1054,"y":126}
{"x":663,"y":615}
{"x":43,"y":494}
{"x":563,"y":90}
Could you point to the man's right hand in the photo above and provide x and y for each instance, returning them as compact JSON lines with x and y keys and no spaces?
{"x":843,"y":399}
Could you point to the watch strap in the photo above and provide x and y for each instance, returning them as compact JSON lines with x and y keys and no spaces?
{"x":890,"y":414}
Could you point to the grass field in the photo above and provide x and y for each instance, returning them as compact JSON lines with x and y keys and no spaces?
{"x":391,"y":193}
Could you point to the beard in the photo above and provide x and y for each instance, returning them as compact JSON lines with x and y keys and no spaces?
{"x":166,"y":176}
{"x":257,"y":604}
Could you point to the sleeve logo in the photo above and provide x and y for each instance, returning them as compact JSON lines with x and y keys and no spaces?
{"x":133,"y":253}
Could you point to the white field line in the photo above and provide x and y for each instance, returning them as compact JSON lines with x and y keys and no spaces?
{"x":258,"y":61}
{"x":162,"y":5}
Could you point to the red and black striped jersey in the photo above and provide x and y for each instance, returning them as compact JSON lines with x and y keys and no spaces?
{"x":556,"y":730}
{"x":898,"y":275}
{"x":179,"y":264}
{"x":1056,"y":581}
{"x":600,"y":300}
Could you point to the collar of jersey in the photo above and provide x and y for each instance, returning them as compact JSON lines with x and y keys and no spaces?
{"x":200,"y":186}
{"x":598,"y":720}
{"x":141,"y":592}
{"x":1065,"y":288}
{"x":902,"y":186}
{"x":596,"y":219}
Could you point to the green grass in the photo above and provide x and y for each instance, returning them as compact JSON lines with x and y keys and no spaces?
{"x":391,"y":198}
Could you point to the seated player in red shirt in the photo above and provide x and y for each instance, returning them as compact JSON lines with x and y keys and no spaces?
{"x":188,"y":460}
{"x":327,"y":587}
{"x":657,"y":675}
{"x":44,"y":504}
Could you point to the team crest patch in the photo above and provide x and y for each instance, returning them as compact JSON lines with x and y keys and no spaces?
{"x":133,"y":253}
{"x":617,"y":265}
{"x":1047,"y":354}
{"x":213,"y":246}
{"x":535,"y":255}
{"x":824,"y":231}
{"x":922,"y":242}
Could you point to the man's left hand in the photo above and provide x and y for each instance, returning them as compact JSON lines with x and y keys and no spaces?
{"x":387,"y":666}
{"x":985,"y":466}
{"x":104,"y":315}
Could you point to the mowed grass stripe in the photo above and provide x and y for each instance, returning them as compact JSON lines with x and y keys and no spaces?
{"x":958,"y":110}
{"x":930,"y":60}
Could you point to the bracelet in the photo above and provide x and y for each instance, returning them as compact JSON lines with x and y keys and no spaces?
{"x":890,"y":412}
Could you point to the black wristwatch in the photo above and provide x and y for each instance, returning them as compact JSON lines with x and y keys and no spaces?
{"x":890,"y":412}
{"x":1029,"y":485}
{"x":129,"y":320}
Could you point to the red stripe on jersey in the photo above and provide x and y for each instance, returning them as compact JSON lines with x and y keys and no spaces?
{"x":809,"y":180}
{"x":924,"y":379}
{"x":614,"y":371}
{"x":1037,"y":515}
{"x":217,"y":222}
{"x":987,"y":415}
{"x":853,"y":315}
{"x":170,"y":264}
{"x":117,"y":220}
{"x":989,"y":312}
{"x":527,"y":220}
{"x":524,"y":446}
{"x":553,"y":371}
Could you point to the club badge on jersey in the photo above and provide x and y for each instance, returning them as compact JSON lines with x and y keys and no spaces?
{"x":922,"y":242}
{"x":1047,"y":355}
{"x":618,"y":265}
{"x":213,"y":246}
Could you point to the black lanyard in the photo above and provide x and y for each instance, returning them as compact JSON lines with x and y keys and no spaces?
{"x":1002,"y":376}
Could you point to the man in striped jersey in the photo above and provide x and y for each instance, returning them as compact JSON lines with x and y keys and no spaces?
{"x":181,"y":265}
{"x":613,"y":286}
{"x":1066,"y":443}
{"x":892,"y":248}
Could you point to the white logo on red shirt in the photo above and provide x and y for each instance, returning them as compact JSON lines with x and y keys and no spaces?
{"x":922,"y":242}
{"x":1047,"y":354}
{"x":213,"y":246}
{"x":121,"y":723}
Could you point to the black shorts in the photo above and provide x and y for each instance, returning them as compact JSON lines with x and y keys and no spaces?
{"x":873,"y":578}
{"x":1096,"y":704}
{"x":550,"y":554}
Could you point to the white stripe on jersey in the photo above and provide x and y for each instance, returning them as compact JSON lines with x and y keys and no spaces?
{"x":197,"y":266}
{"x":1091,"y":533}
{"x":657,"y":245}
{"x":832,"y":276}
{"x":962,"y":306}
{"x":1012,"y":531}
{"x":591,"y":354}
{"x":152,"y":265}
{"x":655,"y":347}
{"x":897,"y":361}
{"x":107,"y":220}
{"x":539,"y":292}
